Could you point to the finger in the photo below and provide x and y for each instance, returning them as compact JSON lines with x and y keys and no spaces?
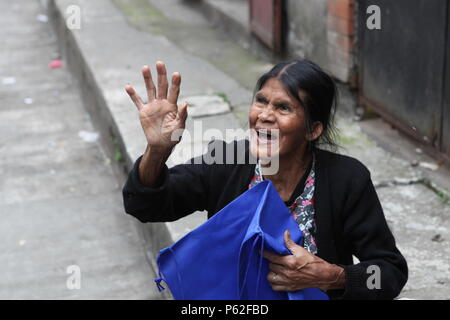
{"x":294,"y":248}
{"x":182,"y":112}
{"x":278,"y":269}
{"x":174,"y":88}
{"x":151,"y":90}
{"x":279,"y":288}
{"x":274,"y":258}
{"x":285,"y":288}
{"x":280,"y":283}
{"x":134,"y":96}
{"x":277,"y":279}
{"x":162,"y":80}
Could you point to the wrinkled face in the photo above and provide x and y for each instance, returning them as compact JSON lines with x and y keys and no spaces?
{"x":277,"y":123}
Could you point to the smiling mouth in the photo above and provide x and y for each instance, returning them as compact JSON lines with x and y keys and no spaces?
{"x":266,"y":136}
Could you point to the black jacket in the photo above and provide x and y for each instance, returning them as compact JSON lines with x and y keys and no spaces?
{"x":349,"y":217}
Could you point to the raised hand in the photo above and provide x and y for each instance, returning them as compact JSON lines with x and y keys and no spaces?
{"x":161,"y":119}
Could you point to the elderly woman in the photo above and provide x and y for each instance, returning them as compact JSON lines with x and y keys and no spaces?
{"x":331,"y":196}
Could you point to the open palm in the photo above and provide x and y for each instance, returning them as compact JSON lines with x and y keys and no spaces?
{"x":161,"y":119}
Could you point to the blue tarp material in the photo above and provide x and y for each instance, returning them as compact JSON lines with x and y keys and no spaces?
{"x":222,"y":259}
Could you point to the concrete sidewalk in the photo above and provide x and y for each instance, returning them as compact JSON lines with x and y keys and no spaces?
{"x":117,"y":37}
{"x":60,"y":205}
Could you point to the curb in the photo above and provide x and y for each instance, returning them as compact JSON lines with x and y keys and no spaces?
{"x":153,"y":235}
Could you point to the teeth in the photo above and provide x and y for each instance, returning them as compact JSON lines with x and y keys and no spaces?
{"x":265,"y":135}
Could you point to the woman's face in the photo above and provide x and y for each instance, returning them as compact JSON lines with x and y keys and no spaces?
{"x":277,"y":123}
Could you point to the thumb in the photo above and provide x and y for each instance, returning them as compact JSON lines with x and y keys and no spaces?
{"x":291,"y":245}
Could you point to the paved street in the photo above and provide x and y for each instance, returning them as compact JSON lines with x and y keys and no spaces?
{"x":60,"y":202}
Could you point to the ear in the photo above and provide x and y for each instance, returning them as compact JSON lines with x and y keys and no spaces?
{"x":316,"y":131}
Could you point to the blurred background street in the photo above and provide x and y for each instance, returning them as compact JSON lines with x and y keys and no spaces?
{"x":69,"y":133}
{"x":59,"y":198}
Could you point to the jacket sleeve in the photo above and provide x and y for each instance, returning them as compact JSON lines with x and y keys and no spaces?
{"x":182,"y":189}
{"x":382,"y":271}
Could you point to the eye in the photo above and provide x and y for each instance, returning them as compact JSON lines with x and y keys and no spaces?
{"x":284,"y":107}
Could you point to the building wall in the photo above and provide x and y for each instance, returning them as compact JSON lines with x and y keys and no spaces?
{"x":323,"y":31}
{"x":307,"y":30}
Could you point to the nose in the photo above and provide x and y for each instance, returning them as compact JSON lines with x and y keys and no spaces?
{"x":267,"y":114}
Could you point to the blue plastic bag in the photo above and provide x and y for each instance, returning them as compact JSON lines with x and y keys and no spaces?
{"x":222,"y":259}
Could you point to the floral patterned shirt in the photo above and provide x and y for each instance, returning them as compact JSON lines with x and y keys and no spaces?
{"x":302,"y":210}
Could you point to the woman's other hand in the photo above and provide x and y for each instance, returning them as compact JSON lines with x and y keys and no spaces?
{"x":161,"y":119}
{"x":302,"y":270}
